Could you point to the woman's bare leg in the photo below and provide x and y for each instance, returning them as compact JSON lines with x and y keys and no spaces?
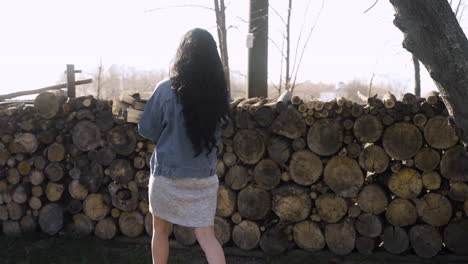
{"x":160,"y":240}
{"x":210,"y":245}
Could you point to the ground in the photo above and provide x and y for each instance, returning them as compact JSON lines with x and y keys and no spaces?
{"x":40,"y":249}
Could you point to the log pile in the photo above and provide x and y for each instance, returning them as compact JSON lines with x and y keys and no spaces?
{"x":388,"y":175}
{"x":129,"y":106}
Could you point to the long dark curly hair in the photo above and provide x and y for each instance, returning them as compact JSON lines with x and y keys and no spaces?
{"x":198,"y":80}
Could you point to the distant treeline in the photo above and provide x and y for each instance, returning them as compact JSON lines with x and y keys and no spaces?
{"x":115,"y":79}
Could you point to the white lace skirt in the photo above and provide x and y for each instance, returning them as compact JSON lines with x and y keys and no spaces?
{"x":187,"y":202}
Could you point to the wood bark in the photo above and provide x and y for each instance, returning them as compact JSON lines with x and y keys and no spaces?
{"x":406,"y":183}
{"x":425,"y":240}
{"x":427,"y":159}
{"x":122,"y":139}
{"x":291,"y":203}
{"x":51,"y":218}
{"x":402,"y":141}
{"x":372,"y":199}
{"x":222,"y":230}
{"x":249,"y":146}
{"x":454,"y":164}
{"x":246,"y":235}
{"x":48,"y":104}
{"x":95,"y":207}
{"x":455,"y":235}
{"x":439,"y":134}
{"x":434,"y":209}
{"x":105,"y":229}
{"x":237,"y":177}
{"x":341,"y":237}
{"x":374,"y":159}
{"x":401,"y":212}
{"x":226,"y":201}
{"x":308,"y":236}
{"x":289,"y":124}
{"x":368,"y":128}
{"x":275,"y":240}
{"x":82,"y":225}
{"x":343,"y":175}
{"x":267,"y":174}
{"x":331,"y":208}
{"x":395,"y":239}
{"x":86,"y":135}
{"x":253,"y":203}
{"x":279,"y":149}
{"x":131,"y":223}
{"x":369,"y":225}
{"x":430,"y":26}
{"x":305,"y":167}
{"x":325,"y":137}
{"x":184,"y":235}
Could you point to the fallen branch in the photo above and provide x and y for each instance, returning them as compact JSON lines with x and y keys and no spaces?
{"x":53,"y":87}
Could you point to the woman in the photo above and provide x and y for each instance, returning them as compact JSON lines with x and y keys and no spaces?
{"x":183,"y":117}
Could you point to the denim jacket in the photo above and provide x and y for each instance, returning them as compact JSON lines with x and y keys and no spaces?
{"x":163,"y":122}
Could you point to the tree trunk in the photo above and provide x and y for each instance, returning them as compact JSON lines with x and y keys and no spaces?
{"x":222,"y":38}
{"x":417,"y":76}
{"x":433,"y":34}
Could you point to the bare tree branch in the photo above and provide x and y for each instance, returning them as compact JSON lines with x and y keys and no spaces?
{"x":307,"y":42}
{"x":276,"y":46}
{"x":278,"y":14}
{"x":241,"y":19}
{"x":372,"y":6}
{"x":178,"y":6}
{"x":300,"y":36}
{"x":288,"y":47}
{"x":460,"y":16}
{"x":458,"y":7}
{"x":369,"y":90}
{"x":281,"y":71}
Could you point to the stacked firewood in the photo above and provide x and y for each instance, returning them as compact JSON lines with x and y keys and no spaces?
{"x":129,"y":106}
{"x":293,"y":173}
{"x":70,"y":166}
{"x":388,"y":174}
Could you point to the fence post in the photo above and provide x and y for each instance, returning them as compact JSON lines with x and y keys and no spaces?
{"x":71,"y":81}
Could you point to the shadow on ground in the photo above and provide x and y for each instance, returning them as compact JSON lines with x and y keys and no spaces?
{"x":40,"y":249}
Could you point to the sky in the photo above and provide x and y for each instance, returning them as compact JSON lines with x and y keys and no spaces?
{"x":38,"y":38}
